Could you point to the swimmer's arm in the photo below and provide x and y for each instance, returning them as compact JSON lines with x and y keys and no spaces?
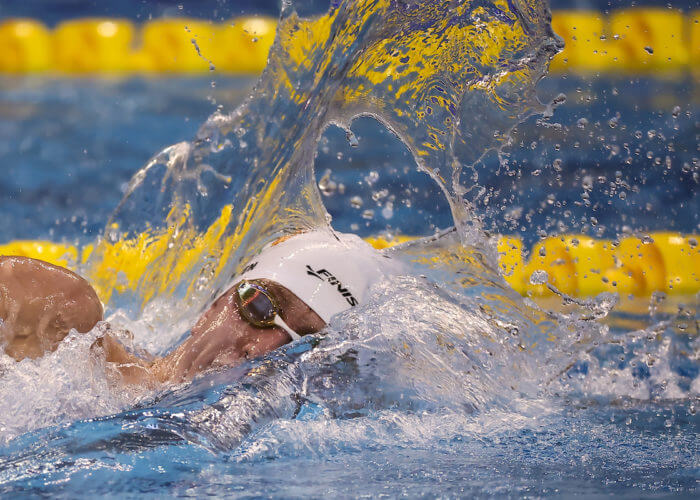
{"x":40,"y":303}
{"x":125,"y":367}
{"x":128,"y":368}
{"x":183,"y":363}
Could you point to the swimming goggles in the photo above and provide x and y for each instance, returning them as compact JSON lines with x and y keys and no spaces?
{"x":259,"y":307}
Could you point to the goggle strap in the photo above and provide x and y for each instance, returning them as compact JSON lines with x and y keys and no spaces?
{"x":280,"y":322}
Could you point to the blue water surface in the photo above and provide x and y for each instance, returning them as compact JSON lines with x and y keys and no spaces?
{"x":73,"y":144}
{"x":567,"y":453}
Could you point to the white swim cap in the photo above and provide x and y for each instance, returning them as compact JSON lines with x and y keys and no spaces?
{"x":330,"y":272}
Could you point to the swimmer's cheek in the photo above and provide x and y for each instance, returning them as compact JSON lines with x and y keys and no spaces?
{"x":199,"y":354}
{"x":214,"y":355}
{"x":253,"y":350}
{"x":191,"y":357}
{"x":229,"y":358}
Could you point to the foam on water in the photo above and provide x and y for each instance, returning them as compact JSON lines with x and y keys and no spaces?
{"x":71,"y":383}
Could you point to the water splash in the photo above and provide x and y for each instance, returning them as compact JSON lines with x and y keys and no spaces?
{"x":425,"y":70}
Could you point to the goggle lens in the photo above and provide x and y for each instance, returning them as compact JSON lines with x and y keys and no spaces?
{"x":256,"y":305}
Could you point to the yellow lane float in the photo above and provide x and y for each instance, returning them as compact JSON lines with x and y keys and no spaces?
{"x":177,"y":45}
{"x":26,"y":46}
{"x":695,"y":41}
{"x":243,"y":45}
{"x":650,"y":39}
{"x":93,"y":46}
{"x":54,"y":253}
{"x":635,"y":40}
{"x":587,"y":48}
{"x":583,"y":266}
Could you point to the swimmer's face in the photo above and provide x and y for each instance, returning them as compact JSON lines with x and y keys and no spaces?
{"x":222,"y":337}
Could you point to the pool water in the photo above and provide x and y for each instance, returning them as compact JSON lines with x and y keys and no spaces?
{"x":63,"y":179}
{"x":429,"y":389}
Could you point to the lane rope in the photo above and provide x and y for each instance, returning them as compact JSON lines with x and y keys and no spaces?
{"x":638,"y":40}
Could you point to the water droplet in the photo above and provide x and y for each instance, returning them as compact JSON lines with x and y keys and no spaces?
{"x":388,"y":210}
{"x":112,"y":234}
{"x":352,"y":138}
{"x":326,"y":184}
{"x":368,"y":214}
{"x":649,"y":50}
{"x":539,"y":277}
{"x":372,"y":177}
{"x":676,"y":112}
{"x":381,"y":194}
{"x":356,"y":202}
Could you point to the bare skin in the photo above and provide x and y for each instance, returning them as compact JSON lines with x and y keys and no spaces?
{"x":40,"y":303}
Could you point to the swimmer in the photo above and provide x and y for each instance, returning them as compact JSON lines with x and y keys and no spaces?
{"x":292,"y":288}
